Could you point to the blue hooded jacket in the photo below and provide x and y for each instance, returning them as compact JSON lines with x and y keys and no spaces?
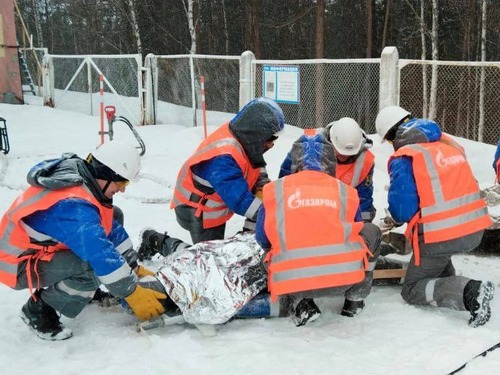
{"x":403,"y":196}
{"x":253,"y":125}
{"x":77,"y":223}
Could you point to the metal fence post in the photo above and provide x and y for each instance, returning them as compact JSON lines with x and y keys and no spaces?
{"x":149,"y":87}
{"x":389,"y":77}
{"x":246,"y":78}
{"x":48,"y":81}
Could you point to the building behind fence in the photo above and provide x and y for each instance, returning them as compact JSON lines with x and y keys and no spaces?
{"x":166,"y":90}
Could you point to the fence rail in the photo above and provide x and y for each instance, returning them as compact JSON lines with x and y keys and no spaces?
{"x":166,"y":89}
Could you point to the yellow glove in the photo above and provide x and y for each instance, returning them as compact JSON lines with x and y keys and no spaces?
{"x":144,"y":302}
{"x":258,"y":193}
{"x":142,"y":271}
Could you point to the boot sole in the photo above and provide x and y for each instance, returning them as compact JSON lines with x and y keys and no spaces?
{"x":486,"y":294}
{"x":63,"y":335}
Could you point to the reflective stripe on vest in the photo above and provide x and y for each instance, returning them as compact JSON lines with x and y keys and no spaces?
{"x":354,"y":173}
{"x":293,"y":268}
{"x":15,"y":239}
{"x":447,"y":210}
{"x":215,"y":212}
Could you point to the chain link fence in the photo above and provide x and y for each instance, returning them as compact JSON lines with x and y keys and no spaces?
{"x":176,"y":82}
{"x":467,"y":102}
{"x":329,"y":90}
{"x":458,"y":105}
{"x":70,"y":76}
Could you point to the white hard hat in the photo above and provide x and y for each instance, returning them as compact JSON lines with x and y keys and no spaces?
{"x":346,"y":136}
{"x":388,"y":117}
{"x":121,"y":158}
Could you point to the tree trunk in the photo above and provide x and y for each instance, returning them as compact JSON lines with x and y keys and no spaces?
{"x":192,"y":30}
{"x":135,"y":26}
{"x":482,"y":79}
{"x":226,"y":33}
{"x":434,"y":43}
{"x":369,"y":28}
{"x":423,"y":56}
{"x":386,"y":22}
{"x":320,"y":53}
{"x":320,"y":29}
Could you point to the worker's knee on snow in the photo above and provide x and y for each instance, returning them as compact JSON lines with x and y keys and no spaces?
{"x":407,"y":293}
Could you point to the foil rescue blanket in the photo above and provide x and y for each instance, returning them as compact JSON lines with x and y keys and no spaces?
{"x":212,"y":280}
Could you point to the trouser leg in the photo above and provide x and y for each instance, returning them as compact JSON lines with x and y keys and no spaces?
{"x":372,"y":237}
{"x":69,"y":282}
{"x":186,"y":218}
{"x":433,"y":283}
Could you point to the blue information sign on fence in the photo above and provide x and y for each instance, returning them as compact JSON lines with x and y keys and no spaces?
{"x":281,"y":83}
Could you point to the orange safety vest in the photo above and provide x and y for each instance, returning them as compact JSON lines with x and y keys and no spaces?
{"x":16,"y":237}
{"x":498,"y":170}
{"x":215,"y":212}
{"x":315,"y":242}
{"x":450,"y":204}
{"x":446,"y":138}
{"x":354,"y":173}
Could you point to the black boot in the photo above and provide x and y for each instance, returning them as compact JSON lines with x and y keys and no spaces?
{"x":151,"y":244}
{"x":306,"y":311}
{"x":43,"y":319}
{"x":477,"y":297}
{"x":352,"y":308}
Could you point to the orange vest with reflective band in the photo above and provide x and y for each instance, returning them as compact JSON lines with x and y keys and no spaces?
{"x":354,"y":173}
{"x":215,"y":212}
{"x":450,"y":204}
{"x":15,"y":240}
{"x":315,"y":242}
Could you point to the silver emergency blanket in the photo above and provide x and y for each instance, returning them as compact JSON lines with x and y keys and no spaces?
{"x":492,"y":197}
{"x":212,"y":280}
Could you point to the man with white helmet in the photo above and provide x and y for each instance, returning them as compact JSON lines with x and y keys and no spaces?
{"x":355,"y":162}
{"x":59,"y":239}
{"x":432,"y":188}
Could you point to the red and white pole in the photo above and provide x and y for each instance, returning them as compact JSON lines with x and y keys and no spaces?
{"x":101,"y":105}
{"x":203,"y":105}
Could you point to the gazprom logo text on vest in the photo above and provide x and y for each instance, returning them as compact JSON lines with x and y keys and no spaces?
{"x":449,"y":161}
{"x":294,"y":201}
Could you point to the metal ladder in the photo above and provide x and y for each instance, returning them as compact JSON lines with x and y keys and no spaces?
{"x":26,"y":79}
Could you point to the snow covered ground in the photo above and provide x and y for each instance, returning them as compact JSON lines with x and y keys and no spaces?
{"x":389,"y":337}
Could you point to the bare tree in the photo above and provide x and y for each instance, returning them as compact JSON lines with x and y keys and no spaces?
{"x":423,"y":56}
{"x":386,"y":22}
{"x":320,"y":53}
{"x":225,"y":26}
{"x":434,"y":44}
{"x":369,"y":28}
{"x":135,"y":26}
{"x":482,"y":79}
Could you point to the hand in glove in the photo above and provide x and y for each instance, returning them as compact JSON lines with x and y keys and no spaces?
{"x":258,"y":193}
{"x":387,"y":223}
{"x":142,"y":271}
{"x":145,"y":302}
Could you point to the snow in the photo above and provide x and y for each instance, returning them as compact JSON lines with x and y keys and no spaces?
{"x":389,"y":337}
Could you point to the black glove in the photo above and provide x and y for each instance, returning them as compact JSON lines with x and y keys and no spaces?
{"x":131,"y":257}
